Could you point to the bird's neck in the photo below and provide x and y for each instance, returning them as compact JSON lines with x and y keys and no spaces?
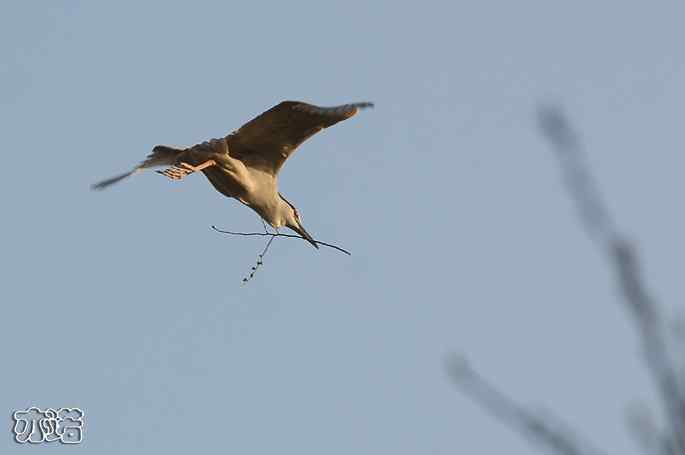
{"x":273,"y":210}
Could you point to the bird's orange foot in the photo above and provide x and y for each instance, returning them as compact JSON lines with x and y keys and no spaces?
{"x":177,"y":172}
{"x":184,"y":169}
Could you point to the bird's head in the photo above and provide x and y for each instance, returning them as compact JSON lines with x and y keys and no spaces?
{"x":293,"y":220}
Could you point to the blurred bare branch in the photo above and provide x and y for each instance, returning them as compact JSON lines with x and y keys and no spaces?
{"x":548,"y":431}
{"x":566,"y":143}
{"x":623,"y":258}
{"x":656,"y":336}
{"x":646,"y":432}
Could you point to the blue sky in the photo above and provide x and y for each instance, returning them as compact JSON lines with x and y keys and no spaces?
{"x":463,"y":238}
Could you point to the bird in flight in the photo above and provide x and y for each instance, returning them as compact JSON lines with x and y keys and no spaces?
{"x":244,"y":165}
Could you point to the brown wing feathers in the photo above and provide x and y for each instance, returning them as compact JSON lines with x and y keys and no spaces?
{"x":264,"y":142}
{"x":342,"y":112}
{"x":270,"y":138}
{"x":161,"y":155}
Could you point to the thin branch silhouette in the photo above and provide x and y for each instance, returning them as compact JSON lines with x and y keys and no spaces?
{"x":549,"y":432}
{"x":623,"y":258}
{"x":621,"y":254}
{"x":262,"y":234}
{"x":260,"y":259}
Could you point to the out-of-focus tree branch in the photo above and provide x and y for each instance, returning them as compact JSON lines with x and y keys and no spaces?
{"x":655,"y":335}
{"x":544,"y":430}
{"x":624,"y":260}
{"x":593,"y":212}
{"x":645,"y":431}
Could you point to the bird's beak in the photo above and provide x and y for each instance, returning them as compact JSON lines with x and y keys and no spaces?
{"x":300,"y":230}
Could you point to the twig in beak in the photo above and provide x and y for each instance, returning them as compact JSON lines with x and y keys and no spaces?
{"x":342,"y":250}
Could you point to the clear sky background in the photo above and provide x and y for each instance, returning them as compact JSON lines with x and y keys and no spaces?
{"x":126,"y":304}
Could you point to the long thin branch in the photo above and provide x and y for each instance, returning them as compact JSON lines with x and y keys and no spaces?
{"x":265,"y":234}
{"x":622,"y":255}
{"x":647,"y":434}
{"x":538,"y":428}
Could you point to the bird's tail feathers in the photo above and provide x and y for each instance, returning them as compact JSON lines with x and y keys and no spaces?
{"x":161,"y":155}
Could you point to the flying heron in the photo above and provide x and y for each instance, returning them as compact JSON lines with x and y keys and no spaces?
{"x":244,"y":165}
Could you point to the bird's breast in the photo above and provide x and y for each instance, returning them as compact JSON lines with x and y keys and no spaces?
{"x":225,"y":182}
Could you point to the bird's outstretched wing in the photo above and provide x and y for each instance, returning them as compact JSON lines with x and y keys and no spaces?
{"x":161,"y":155}
{"x":266,"y":141}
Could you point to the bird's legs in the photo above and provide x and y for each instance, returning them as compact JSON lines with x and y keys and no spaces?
{"x":183,"y":169}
